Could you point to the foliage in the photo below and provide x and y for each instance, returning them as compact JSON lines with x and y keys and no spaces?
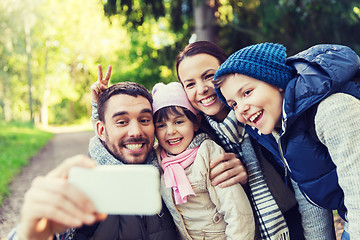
{"x":137,"y":12}
{"x":67,"y":40}
{"x":144,"y":62}
{"x":18,"y":143}
{"x":294,"y":23}
{"x":158,"y":30}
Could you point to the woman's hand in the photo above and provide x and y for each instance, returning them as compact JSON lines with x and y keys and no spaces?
{"x":227,"y":170}
{"x":101,"y":84}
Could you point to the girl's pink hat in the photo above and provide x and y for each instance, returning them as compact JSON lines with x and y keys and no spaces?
{"x":172,"y":94}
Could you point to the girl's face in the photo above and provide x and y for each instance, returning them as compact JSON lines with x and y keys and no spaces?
{"x":195,"y":74}
{"x":255,"y":102}
{"x":176,"y":133}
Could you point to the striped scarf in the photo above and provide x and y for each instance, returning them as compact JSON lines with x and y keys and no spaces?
{"x":233,"y":137}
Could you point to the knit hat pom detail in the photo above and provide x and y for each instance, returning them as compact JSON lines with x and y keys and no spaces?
{"x":264,"y":61}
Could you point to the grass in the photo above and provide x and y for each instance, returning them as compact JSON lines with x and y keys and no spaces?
{"x":18,"y":143}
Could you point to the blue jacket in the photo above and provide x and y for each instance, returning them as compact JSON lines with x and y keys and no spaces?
{"x":321,"y":71}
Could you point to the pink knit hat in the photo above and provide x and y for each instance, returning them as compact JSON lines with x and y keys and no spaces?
{"x":171,"y":94}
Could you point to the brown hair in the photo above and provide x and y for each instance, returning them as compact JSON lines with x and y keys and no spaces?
{"x":200,"y":47}
{"x":127,"y":88}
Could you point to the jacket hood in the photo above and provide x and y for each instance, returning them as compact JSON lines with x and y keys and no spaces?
{"x":321,"y":70}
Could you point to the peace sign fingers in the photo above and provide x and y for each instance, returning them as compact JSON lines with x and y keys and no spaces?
{"x":101,"y":84}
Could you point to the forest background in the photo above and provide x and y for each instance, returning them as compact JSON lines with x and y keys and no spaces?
{"x":50,"y":49}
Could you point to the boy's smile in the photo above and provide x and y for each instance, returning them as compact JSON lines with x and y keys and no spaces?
{"x":255,"y":102}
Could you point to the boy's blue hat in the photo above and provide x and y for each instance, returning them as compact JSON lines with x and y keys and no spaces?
{"x":264,"y":61}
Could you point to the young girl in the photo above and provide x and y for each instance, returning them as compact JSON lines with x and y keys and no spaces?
{"x":200,"y":210}
{"x":306,"y":111}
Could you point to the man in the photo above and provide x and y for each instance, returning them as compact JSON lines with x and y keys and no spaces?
{"x":125,"y":135}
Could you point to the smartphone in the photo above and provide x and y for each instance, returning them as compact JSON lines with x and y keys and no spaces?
{"x":120,"y":189}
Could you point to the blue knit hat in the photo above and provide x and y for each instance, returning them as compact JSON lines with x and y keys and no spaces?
{"x":264,"y":61}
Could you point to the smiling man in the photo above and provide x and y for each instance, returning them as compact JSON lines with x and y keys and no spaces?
{"x":126,"y":127}
{"x":125,"y":136}
{"x":125,"y":132}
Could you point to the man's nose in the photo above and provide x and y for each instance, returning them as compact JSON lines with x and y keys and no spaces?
{"x":135,"y":129}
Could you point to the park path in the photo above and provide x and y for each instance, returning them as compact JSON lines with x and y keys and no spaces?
{"x":61,"y":146}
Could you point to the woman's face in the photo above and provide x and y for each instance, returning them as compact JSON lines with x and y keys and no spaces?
{"x":196,"y":73}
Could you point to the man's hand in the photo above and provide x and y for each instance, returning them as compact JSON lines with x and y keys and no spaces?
{"x":101,"y":84}
{"x":227,"y":170}
{"x":52,"y":205}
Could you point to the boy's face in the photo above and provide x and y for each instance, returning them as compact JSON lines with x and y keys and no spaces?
{"x":255,"y":102}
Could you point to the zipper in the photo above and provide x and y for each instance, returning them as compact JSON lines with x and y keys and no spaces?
{"x":287,"y":168}
{"x":286,"y":165}
{"x":283,"y":127}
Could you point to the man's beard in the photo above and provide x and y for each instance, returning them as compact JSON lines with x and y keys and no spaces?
{"x":115,"y":149}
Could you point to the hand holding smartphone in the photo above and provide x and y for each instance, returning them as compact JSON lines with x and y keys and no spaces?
{"x":120,"y":189}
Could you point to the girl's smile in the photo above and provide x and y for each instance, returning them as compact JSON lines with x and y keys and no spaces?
{"x":175,"y":133}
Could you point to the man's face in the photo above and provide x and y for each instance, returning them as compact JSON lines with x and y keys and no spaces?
{"x":128,"y":131}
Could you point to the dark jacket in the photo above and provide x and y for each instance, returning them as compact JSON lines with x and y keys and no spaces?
{"x":321,"y":71}
{"x":131,"y":227}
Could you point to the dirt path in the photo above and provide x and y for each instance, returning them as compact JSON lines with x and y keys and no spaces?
{"x":61,"y":146}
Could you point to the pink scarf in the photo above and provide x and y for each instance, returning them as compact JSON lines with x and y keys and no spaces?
{"x":174,"y":174}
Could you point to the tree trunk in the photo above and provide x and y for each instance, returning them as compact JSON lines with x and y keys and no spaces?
{"x":205,"y":20}
{"x":72,"y":82}
{"x":7,"y":110}
{"x":46,"y":96}
{"x":29,"y":75}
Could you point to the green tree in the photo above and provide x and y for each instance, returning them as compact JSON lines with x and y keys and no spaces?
{"x":67,"y":41}
{"x":297,"y":24}
{"x":186,"y":16}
